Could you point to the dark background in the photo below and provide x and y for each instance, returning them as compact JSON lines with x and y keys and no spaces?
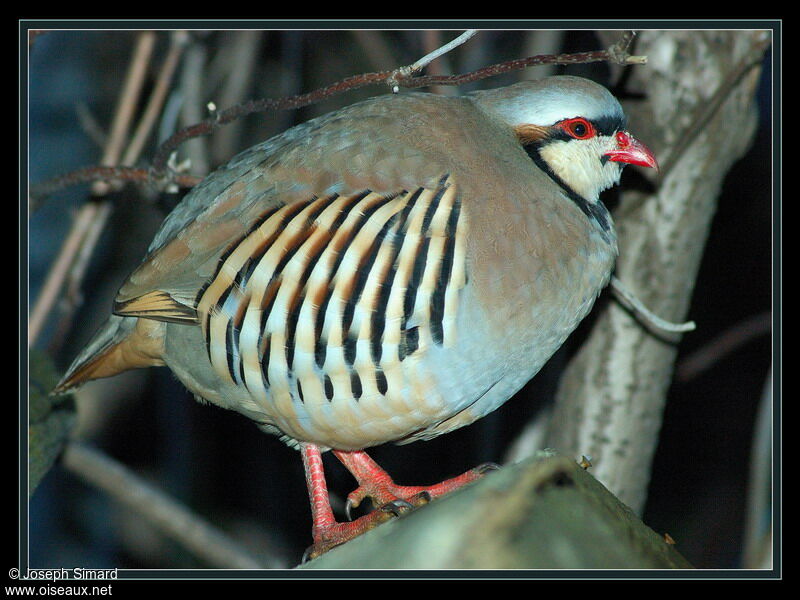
{"x":252,"y":485}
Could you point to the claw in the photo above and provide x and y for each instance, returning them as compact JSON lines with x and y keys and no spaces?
{"x":397,"y":507}
{"x":355,"y":502}
{"x":422,"y":498}
{"x":336,"y":534}
{"x":357,"y":496}
{"x":486,"y":467}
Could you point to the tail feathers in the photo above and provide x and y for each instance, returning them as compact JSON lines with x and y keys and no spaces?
{"x":121,"y":344}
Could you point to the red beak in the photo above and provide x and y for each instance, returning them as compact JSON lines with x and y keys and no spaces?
{"x":632,"y":151}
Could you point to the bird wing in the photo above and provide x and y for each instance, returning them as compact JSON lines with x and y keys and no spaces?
{"x":382,"y":146}
{"x":314,"y":284}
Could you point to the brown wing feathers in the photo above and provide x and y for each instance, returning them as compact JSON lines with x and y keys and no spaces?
{"x":158,"y":305}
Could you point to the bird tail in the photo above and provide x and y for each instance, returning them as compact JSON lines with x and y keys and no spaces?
{"x":121,"y":344}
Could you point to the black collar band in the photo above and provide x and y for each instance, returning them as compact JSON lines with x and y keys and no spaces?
{"x":595,"y":211}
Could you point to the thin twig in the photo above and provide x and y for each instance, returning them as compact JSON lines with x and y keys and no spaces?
{"x":404,"y":72}
{"x":515,"y":65}
{"x":155,"y":103}
{"x":431,"y":56}
{"x":93,"y":215}
{"x":87,"y":174}
{"x":129,"y":99}
{"x":724,"y":344}
{"x":178,"y":42}
{"x":169,"y":516}
{"x":252,"y":106}
{"x":628,"y":299}
{"x":431,"y":39}
{"x":90,"y":126}
{"x":617,"y":53}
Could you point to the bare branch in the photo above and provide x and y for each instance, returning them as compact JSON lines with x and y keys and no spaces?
{"x":129,"y":97}
{"x":171,"y":517}
{"x":432,"y":41}
{"x":403,"y":77}
{"x":87,"y":174}
{"x":92,"y":216}
{"x":630,"y":301}
{"x":617,"y":53}
{"x":404,"y":72}
{"x":178,"y":42}
{"x":614,"y":54}
{"x":721,"y":346}
{"x":73,"y":259}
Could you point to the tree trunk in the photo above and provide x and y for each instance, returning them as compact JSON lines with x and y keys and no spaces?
{"x":698,"y":115}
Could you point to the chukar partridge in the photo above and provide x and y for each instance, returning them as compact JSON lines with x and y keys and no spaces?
{"x":388,"y":272}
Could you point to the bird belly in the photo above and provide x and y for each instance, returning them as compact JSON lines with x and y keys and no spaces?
{"x":348,"y":401}
{"x":344,"y":408}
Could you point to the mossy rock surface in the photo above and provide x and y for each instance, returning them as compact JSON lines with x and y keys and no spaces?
{"x":50,"y":418}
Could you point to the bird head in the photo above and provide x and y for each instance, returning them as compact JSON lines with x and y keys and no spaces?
{"x":572,"y":128}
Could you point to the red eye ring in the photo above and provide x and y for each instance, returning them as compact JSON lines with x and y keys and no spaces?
{"x":578,"y":128}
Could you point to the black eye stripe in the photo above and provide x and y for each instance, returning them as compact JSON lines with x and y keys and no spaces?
{"x":603,"y":126}
{"x":608,"y":125}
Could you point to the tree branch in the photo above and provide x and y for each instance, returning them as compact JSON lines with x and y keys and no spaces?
{"x":194,"y":533}
{"x":544,"y":513}
{"x":403,"y":77}
{"x":92,"y":216}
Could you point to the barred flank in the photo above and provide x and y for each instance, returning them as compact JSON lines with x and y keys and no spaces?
{"x":320,"y":293}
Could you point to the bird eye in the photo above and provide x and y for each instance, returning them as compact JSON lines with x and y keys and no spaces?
{"x":578,"y":128}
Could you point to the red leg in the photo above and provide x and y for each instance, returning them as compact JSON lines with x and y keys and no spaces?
{"x":376,"y":483}
{"x":321,"y":513}
{"x":326,"y":532}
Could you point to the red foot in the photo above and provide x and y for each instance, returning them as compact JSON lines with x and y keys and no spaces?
{"x":374,"y":483}
{"x":335,"y":533}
